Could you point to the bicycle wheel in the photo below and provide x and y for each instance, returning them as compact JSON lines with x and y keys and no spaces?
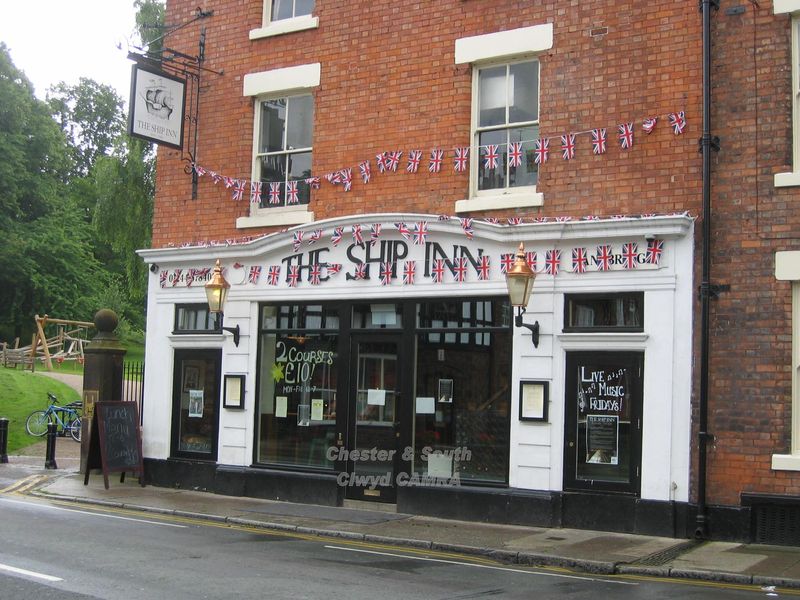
{"x":74,"y":429}
{"x":37,"y":423}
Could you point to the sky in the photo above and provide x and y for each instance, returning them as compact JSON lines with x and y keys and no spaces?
{"x":64,"y":40}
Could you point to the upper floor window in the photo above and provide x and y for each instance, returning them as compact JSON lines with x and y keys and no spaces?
{"x":195,"y":318}
{"x":604,"y":312}
{"x":507,"y":125}
{"x":792,"y":7}
{"x":285,"y":16}
{"x":287,"y":9}
{"x":283,"y":151}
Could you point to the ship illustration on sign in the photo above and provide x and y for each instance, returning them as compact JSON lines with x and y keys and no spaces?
{"x":159,"y":99}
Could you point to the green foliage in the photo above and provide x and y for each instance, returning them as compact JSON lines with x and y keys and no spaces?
{"x":150,"y":23}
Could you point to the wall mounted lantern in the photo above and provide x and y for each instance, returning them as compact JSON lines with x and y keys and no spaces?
{"x":217,"y":293}
{"x":519,"y":279}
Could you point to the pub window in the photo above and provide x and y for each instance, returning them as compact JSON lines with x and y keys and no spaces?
{"x":195,"y":318}
{"x":604,"y":312}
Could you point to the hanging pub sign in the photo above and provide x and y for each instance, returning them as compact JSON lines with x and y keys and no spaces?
{"x":157,"y":106}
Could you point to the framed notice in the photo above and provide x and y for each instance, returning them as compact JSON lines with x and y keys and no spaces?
{"x":533,"y":400}
{"x":157,"y":106}
{"x":233,"y":394}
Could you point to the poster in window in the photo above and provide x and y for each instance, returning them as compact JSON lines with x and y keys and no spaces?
{"x":157,"y":106}
{"x":196,"y":403}
{"x":602,"y":439}
{"x":446,"y":390}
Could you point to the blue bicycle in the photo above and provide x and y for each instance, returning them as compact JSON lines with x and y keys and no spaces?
{"x":67,"y":418}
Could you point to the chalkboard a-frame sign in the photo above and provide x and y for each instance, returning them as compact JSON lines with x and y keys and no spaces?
{"x":115,"y":444}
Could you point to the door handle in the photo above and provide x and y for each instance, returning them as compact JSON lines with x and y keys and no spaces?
{"x":572,"y":444}
{"x":339,"y":441}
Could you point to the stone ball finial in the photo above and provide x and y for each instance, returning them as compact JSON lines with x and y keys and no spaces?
{"x":105,"y":320}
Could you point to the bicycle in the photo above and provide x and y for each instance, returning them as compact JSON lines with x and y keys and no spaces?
{"x":67,"y":418}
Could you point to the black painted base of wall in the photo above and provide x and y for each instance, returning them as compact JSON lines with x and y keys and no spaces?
{"x":578,"y":510}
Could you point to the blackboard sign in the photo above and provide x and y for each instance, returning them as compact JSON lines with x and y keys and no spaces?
{"x":115,"y":431}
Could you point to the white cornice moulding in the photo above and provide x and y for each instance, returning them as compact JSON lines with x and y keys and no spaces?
{"x":504,"y":44}
{"x":781,"y":7}
{"x":282,"y":80}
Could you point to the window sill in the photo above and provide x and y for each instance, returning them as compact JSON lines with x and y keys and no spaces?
{"x":500,"y":202}
{"x":785,"y":462}
{"x":790,"y":179}
{"x":285,"y":26}
{"x":616,"y":341}
{"x":274,"y":217}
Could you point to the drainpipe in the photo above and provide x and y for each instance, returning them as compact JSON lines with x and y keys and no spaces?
{"x":707,"y":290}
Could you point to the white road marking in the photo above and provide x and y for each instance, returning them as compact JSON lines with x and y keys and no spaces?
{"x":94,"y":514}
{"x":469,"y":564}
{"x":27,"y":573}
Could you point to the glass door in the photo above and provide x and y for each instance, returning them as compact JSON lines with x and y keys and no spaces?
{"x":195,"y":404}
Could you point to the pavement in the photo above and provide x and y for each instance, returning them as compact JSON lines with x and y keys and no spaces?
{"x":767,"y":568}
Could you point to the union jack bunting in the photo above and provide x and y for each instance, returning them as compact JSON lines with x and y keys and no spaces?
{"x":337,"y":235}
{"x":361,"y":271}
{"x":603,"y":257}
{"x":563,"y":219}
{"x":492,"y":220}
{"x":598,"y":141}
{"x":162,"y":278}
{"x":215,"y":177}
{"x":274,"y":192}
{"x":366,"y":171}
{"x":294,"y":276}
{"x":491,"y":157}
{"x":438,"y":270}
{"x":291,"y":193}
{"x":238,"y":189}
{"x":297,"y":240}
{"x":374,"y":233}
{"x":648,"y":215}
{"x":404,"y":230}
{"x":590,"y":218}
{"x":460,"y":269}
{"x":255,"y":273}
{"x":228,"y":181}
{"x":629,"y":253}
{"x":334,"y":178}
{"x":358,"y":235}
{"x":333,"y":268}
{"x":625,"y":135}
{"x":380,"y":160}
{"x":677,"y":121}
{"x":506,"y":262}
{"x":541,"y":219}
{"x":420,"y":233}
{"x":392,"y":160}
{"x":314,"y":236}
{"x":530,"y":258}
{"x":414,"y":158}
{"x":314,"y":276}
{"x":443,"y":218}
{"x":515,"y":153}
{"x":313,"y":182}
{"x":409,"y":272}
{"x":483,"y":268}
{"x":514,"y":220}
{"x":649,"y":124}
{"x":552,"y":262}
{"x":347,"y":178}
{"x":617,"y":217}
{"x":654,"y":250}
{"x":386,"y":272}
{"x":461,"y":158}
{"x":435,"y":163}
{"x":568,"y":146}
{"x":273,"y":275}
{"x":178,"y":273}
{"x":580,"y":260}
{"x":466,"y":225}
{"x":199,"y":170}
{"x":189,"y":277}
{"x":541,"y":151}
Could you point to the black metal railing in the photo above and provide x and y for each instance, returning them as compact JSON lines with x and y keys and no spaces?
{"x":133,"y":384}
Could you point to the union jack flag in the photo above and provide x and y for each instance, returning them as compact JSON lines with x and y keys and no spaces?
{"x":629,"y":253}
{"x":255,"y":192}
{"x":347,"y":178}
{"x":333,"y":268}
{"x":514,"y":220}
{"x":297,"y":239}
{"x":563,"y":219}
{"x":541,"y":151}
{"x":515,"y":154}
{"x":178,"y":273}
{"x":215,"y":177}
{"x":568,"y":146}
{"x":435,"y":163}
{"x":238,"y":189}
{"x":358,"y":234}
{"x":541,"y":219}
{"x":625,"y":135}
{"x":392,"y":160}
{"x":420,"y":233}
{"x":255,"y":273}
{"x":361,"y":271}
{"x":334,"y":178}
{"x":580,"y":260}
{"x":274,"y":192}
{"x":530,"y":258}
{"x":337,"y":236}
{"x":603,"y":257}
{"x":438,"y":270}
{"x":648,"y":215}
{"x":315,"y":236}
{"x":366,"y":171}
{"x":506,"y":262}
{"x":162,"y":278}
{"x":228,"y":181}
{"x":291,"y":193}
{"x":294,"y":276}
{"x":386,"y":272}
{"x":315,"y":274}
{"x":443,"y":218}
{"x":414,"y":158}
{"x":491,"y":157}
{"x":617,"y":217}
{"x":598,"y":141}
{"x":483,"y":268}
{"x":409,"y":272}
{"x":552,"y":262}
{"x":590,"y":218}
{"x":654,"y":250}
{"x":189,"y":277}
{"x":404,"y":231}
{"x":461,"y":158}
{"x":677,"y":121}
{"x":273,"y":275}
{"x":492,"y":220}
{"x":375,"y":233}
{"x":380,"y":160}
{"x":466,"y":225}
{"x":649,"y":124}
{"x":312,"y":182}
{"x":199,"y":170}
{"x":460,"y":269}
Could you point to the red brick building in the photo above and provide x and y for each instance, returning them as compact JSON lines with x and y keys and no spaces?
{"x":368,"y":269}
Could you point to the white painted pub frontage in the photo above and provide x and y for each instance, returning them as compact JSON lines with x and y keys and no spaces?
{"x":378,"y":359}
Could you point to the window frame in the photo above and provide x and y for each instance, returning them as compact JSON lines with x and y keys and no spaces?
{"x":272,"y":27}
{"x":176,"y":330}
{"x":635,"y":295}
{"x":792,"y":8}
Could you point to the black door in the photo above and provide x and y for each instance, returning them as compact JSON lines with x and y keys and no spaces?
{"x":603,"y":436}
{"x":195,"y":404}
